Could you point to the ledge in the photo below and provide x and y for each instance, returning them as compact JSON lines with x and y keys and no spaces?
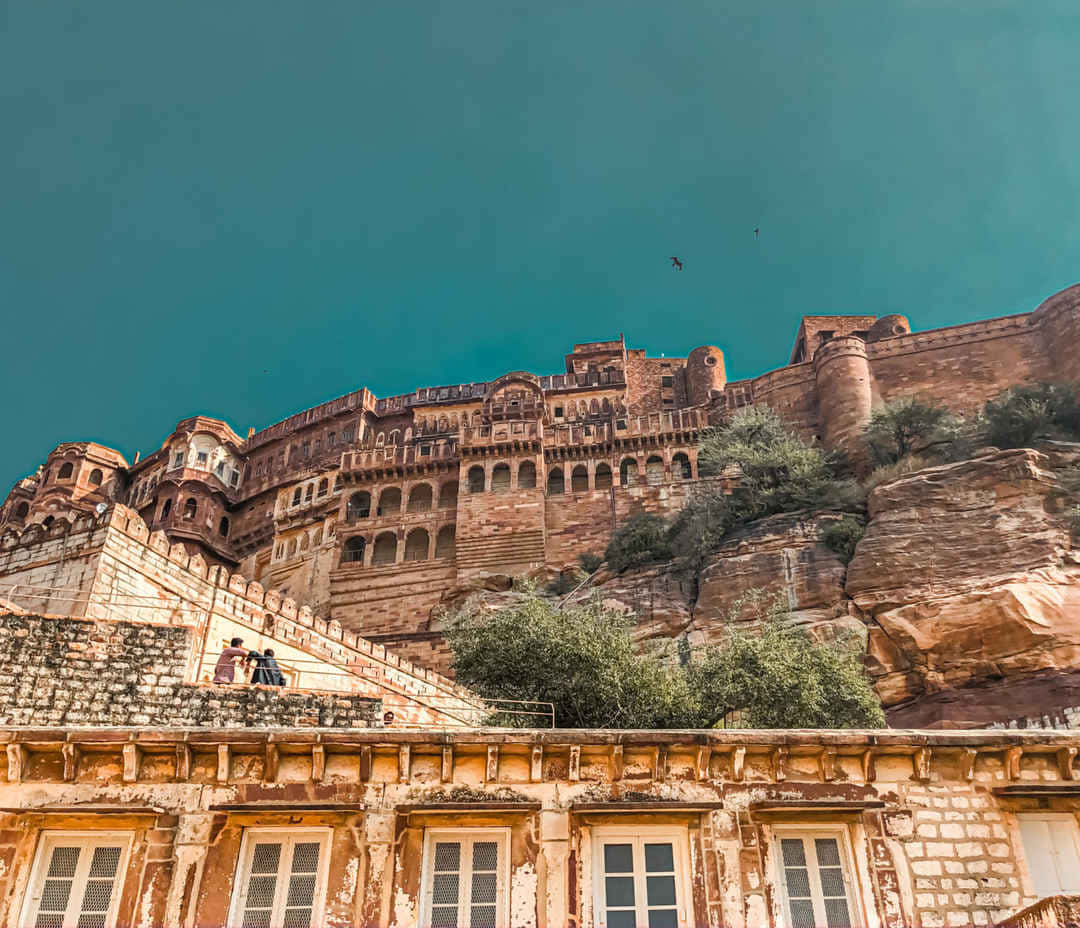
{"x":813,"y":805}
{"x":84,"y":810}
{"x":278,"y":805}
{"x":1037,"y":789}
{"x":645,"y":806}
{"x":520,"y":808}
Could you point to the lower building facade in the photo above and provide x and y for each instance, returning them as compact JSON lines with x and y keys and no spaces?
{"x":104,"y":827}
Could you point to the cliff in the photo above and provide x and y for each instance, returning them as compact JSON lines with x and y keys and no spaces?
{"x":965,"y":589}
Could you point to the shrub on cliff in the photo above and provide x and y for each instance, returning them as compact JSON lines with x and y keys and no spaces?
{"x":775,"y":471}
{"x":1023,"y":415}
{"x":642,"y":539}
{"x":841,"y":537}
{"x":585,"y":662}
{"x":582,"y":659}
{"x":910,"y":427}
{"x":777,"y":677}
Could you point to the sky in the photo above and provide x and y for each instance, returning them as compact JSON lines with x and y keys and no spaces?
{"x":244,"y":209}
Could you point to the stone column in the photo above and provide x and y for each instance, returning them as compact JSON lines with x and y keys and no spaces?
{"x":554,"y":865}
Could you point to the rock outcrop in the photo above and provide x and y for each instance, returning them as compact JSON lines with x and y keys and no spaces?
{"x":965,"y":588}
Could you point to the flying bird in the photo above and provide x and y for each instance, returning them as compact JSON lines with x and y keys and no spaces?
{"x":756,"y":231}
{"x":676,"y":263}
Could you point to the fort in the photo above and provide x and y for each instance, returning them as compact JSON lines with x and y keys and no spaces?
{"x":368,"y":511}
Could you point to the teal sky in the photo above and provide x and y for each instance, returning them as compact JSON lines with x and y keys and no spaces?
{"x":399,"y":194}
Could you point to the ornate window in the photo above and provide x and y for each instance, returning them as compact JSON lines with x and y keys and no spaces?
{"x":65,"y":471}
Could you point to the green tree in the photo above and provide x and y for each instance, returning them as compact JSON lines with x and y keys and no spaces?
{"x":777,"y":677}
{"x":842,"y":536}
{"x":909,"y":426}
{"x":582,"y":659}
{"x":1023,"y":415}
{"x":642,"y":539}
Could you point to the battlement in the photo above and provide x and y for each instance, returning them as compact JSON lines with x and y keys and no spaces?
{"x":122,"y":570}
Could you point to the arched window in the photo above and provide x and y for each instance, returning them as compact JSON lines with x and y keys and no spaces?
{"x":389,"y":501}
{"x":680,"y":467}
{"x":527,"y":476}
{"x":628,"y":472}
{"x":353,"y":552}
{"x":316,"y":538}
{"x":602,"y":479}
{"x":304,"y":542}
{"x":448,"y":496}
{"x":324,"y":487}
{"x":292,"y":547}
{"x":166,"y":509}
{"x":579,"y":479}
{"x":500,"y":478}
{"x":385,"y":550}
{"x":309,"y":492}
{"x":22,"y":510}
{"x":358,"y":506}
{"x":65,"y":471}
{"x":296,"y":497}
{"x":48,"y":521}
{"x":394,"y":437}
{"x":476,"y":479}
{"x":223,"y":527}
{"x":420,"y":498}
{"x":280,"y":552}
{"x":95,"y":477}
{"x":555,"y":483}
{"x":444,"y":542}
{"x":416,"y":545}
{"x":190,"y":508}
{"x":654,"y":470}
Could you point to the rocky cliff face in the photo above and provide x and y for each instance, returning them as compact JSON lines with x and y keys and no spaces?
{"x":965,"y":589}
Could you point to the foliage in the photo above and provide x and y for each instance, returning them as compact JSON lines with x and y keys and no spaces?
{"x":591,"y":561}
{"x":888,"y":472}
{"x":777,"y":677}
{"x":841,"y":537}
{"x":566,"y":582}
{"x":776,"y":472}
{"x":584,"y":661}
{"x":909,"y":426}
{"x":1069,"y":491}
{"x":1023,"y":415}
{"x":642,"y":539}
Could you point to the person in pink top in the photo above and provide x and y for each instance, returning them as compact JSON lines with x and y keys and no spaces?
{"x":226,"y":664}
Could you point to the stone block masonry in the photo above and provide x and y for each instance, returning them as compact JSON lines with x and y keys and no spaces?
{"x":74,"y":672}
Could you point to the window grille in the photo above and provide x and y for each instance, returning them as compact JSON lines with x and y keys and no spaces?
{"x":815,"y":875}
{"x":281,"y":879}
{"x":76,"y":880}
{"x":464,"y":882}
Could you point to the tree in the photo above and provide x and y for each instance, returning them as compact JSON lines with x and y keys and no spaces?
{"x":582,"y":659}
{"x":842,"y":537}
{"x":906,"y":427}
{"x":1023,"y":415}
{"x":777,"y":677}
{"x":642,"y":539}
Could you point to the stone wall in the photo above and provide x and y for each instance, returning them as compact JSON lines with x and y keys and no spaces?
{"x":64,"y":672}
{"x":928,"y":823}
{"x":124,"y":573}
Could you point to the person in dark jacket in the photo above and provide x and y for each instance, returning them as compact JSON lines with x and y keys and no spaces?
{"x":266,"y":669}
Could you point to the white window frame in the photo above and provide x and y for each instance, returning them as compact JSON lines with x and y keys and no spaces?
{"x":678,"y":835}
{"x":501,"y":835}
{"x":1067,"y":818}
{"x":252,"y":836}
{"x":49,"y":839}
{"x":856,"y":911}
